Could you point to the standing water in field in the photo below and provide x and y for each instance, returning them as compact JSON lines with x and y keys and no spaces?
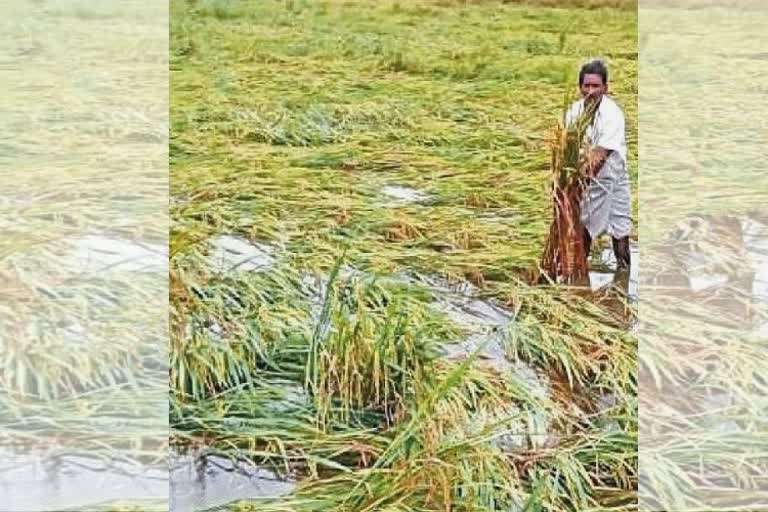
{"x":31,"y":480}
{"x":604,"y":272}
{"x":199,"y":483}
{"x":401,"y":196}
{"x":235,"y":254}
{"x":100,"y":253}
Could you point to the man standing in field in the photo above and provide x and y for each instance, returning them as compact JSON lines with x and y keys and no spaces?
{"x":606,"y":206}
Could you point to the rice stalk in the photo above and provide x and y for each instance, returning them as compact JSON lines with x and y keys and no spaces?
{"x":368,"y":349}
{"x":565,"y":258}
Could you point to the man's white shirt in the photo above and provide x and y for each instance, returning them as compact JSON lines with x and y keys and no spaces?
{"x":608,"y":128}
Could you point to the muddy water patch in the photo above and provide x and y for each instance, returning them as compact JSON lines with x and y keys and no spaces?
{"x":462,"y":304}
{"x":721,"y":257}
{"x":471,"y":313}
{"x":486,"y":326}
{"x":236,"y":254}
{"x":33,"y":481}
{"x":97,"y":253}
{"x":502,"y":216}
{"x":201,"y":481}
{"x":399,"y":195}
{"x":755,"y":238}
{"x":713,"y":252}
{"x":600,"y":280}
{"x":605,"y":273}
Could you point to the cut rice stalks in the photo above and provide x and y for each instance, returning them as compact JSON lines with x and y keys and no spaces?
{"x":565,"y":258}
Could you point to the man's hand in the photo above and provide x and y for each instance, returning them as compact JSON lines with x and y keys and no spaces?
{"x":595,"y":160}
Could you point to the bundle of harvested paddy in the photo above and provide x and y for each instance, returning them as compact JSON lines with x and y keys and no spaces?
{"x":565,"y":258}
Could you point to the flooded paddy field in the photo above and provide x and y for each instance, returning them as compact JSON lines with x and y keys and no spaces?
{"x":359,"y":193}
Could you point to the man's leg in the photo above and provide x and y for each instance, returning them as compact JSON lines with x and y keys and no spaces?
{"x":595,"y":211}
{"x":587,"y":243}
{"x":621,"y":216}
{"x":622,"y":252}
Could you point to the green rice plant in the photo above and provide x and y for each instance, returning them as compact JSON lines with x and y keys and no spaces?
{"x":368,"y":350}
{"x":220,"y":9}
{"x":273,"y":423}
{"x":228,"y":329}
{"x":416,"y":470}
{"x":574,"y":337}
{"x":205,"y":361}
{"x":436,"y":461}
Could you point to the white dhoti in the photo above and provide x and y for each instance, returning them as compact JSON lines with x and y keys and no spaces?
{"x":607,"y":202}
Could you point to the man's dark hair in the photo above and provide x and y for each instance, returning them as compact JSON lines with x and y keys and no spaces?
{"x":596,"y":67}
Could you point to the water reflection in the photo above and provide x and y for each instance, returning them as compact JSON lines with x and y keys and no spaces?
{"x":606,"y":274}
{"x":201,"y":482}
{"x":36,"y":481}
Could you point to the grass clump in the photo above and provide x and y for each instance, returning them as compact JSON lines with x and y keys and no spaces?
{"x":221,"y":9}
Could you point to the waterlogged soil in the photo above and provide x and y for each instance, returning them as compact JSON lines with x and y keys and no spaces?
{"x":235,"y":254}
{"x":197,"y":484}
{"x":201,"y":482}
{"x":34,"y":481}
{"x":31,"y":482}
{"x":91,"y":254}
{"x":398,"y":195}
{"x":604,"y":273}
{"x":730,"y":276}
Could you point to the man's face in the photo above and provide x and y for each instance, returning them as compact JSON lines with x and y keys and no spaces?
{"x":593,"y":88}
